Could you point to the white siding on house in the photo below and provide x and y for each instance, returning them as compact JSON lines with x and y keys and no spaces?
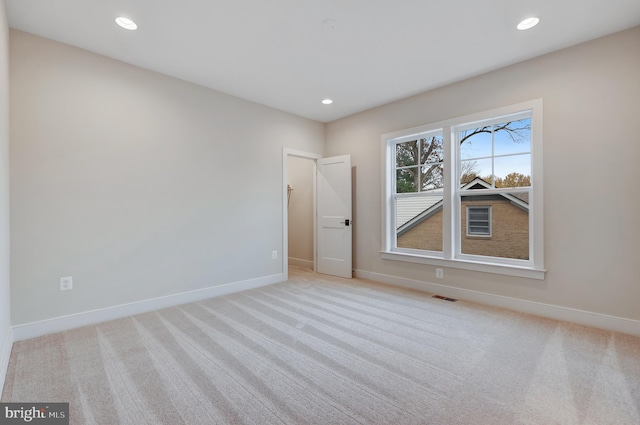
{"x":408,"y":208}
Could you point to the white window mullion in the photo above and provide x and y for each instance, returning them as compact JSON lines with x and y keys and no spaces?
{"x":448,"y":209}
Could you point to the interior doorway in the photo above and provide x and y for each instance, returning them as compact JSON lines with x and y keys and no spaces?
{"x":300,"y":199}
{"x":320,"y":237}
{"x":299,"y":209}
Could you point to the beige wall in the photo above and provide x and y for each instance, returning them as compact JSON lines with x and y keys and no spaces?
{"x":300,"y":176}
{"x":591,"y":95}
{"x":136,"y":184}
{"x":5,"y":319}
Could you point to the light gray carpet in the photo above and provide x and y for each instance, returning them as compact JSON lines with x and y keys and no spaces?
{"x":320,"y":350}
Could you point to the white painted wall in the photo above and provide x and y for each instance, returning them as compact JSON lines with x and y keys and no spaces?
{"x":591,"y":95}
{"x":300,"y":176}
{"x":136,"y":184}
{"x":5,"y":305}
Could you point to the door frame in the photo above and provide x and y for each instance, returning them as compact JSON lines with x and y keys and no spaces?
{"x":286,"y":153}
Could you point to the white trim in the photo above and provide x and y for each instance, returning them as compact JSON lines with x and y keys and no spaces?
{"x":5,"y":355}
{"x":472,"y":119}
{"x":504,"y":268}
{"x":452,"y":234}
{"x":286,"y":153}
{"x":493,"y":120}
{"x":582,"y":317}
{"x":301,"y":263}
{"x":71,"y":321}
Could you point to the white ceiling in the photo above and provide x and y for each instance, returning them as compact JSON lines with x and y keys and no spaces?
{"x":279,"y":53}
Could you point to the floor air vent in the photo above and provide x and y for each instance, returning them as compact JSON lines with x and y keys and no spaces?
{"x":440,"y":297}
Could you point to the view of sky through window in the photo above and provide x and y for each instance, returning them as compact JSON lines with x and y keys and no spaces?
{"x":500,"y":153}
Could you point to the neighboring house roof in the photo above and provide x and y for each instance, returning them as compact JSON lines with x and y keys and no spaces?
{"x":521,"y":199}
{"x":413,"y":210}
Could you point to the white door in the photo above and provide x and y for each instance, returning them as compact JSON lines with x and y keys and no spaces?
{"x":334,"y":221}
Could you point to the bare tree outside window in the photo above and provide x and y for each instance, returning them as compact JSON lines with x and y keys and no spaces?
{"x":419,"y":163}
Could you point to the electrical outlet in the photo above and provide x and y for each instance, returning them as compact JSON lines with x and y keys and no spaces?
{"x":66,"y":283}
{"x":274,"y":255}
{"x":440,"y":273}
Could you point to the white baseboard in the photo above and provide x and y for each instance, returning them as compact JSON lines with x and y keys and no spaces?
{"x":5,"y":354}
{"x":300,"y":263}
{"x":63,"y":323}
{"x":582,"y":317}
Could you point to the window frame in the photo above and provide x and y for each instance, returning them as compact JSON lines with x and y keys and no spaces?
{"x":451,"y":255}
{"x":419,"y":193}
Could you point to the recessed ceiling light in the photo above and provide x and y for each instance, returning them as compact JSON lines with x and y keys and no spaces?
{"x":126,"y":23}
{"x":327,"y":102}
{"x":528,"y":23}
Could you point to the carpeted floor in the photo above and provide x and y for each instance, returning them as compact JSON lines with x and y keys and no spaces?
{"x":321,"y":350}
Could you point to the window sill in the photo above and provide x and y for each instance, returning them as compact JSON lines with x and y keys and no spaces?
{"x":504,"y":269}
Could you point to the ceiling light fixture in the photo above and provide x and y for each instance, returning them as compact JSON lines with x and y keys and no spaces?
{"x":126,"y":23}
{"x":327,"y":102}
{"x":528,"y":23}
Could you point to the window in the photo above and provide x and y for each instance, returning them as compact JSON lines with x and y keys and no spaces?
{"x":478,"y":221}
{"x":418,"y":191}
{"x":467,"y":192}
